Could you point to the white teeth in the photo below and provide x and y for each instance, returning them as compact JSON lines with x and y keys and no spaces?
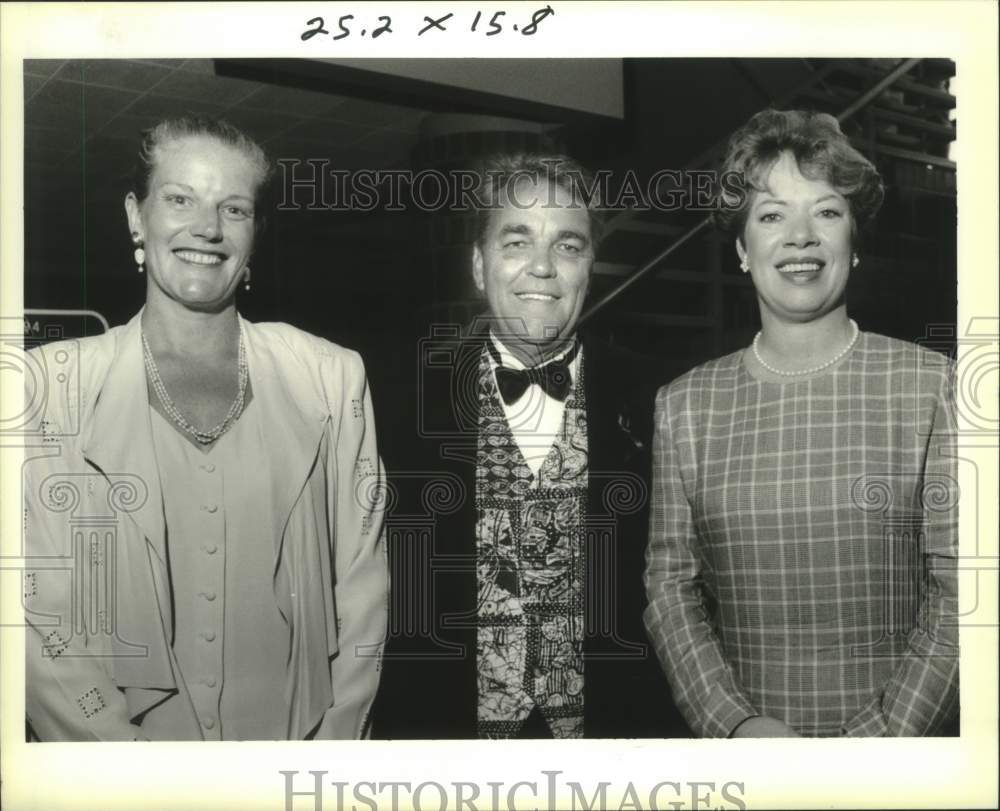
{"x":799,"y":267}
{"x":536,"y":296}
{"x":199,"y":258}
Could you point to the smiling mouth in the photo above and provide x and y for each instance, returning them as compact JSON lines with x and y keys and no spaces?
{"x":805,"y":267}
{"x":536,"y":297}
{"x":199,"y":258}
{"x":801,"y":272}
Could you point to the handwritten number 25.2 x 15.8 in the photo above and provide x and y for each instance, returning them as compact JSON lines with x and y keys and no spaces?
{"x":491,"y":27}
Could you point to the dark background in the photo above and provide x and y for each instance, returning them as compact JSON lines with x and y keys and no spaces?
{"x":376,"y":281}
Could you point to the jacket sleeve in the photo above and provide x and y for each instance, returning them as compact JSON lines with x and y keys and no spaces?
{"x":360,"y":566}
{"x":923,"y":691}
{"x":705,"y":687}
{"x":70,"y":693}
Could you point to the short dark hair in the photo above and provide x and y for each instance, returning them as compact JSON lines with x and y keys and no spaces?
{"x":821,"y":151}
{"x":172,"y":129}
{"x":498,"y":172}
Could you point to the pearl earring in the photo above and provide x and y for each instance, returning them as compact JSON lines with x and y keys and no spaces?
{"x":855,"y":261}
{"x":140,"y":254}
{"x":246,"y":279}
{"x":744,"y":265}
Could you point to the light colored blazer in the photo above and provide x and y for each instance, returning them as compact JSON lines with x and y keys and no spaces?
{"x":97,"y":592}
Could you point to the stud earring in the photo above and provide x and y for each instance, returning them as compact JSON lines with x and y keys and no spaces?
{"x":855,"y":261}
{"x":246,"y":279}
{"x":744,"y":265}
{"x":140,"y":254}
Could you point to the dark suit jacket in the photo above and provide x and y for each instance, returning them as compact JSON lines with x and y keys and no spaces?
{"x":428,"y":687}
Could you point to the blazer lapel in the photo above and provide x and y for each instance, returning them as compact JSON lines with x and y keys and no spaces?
{"x":292,"y":418}
{"x":608,"y":443}
{"x":121,"y":438}
{"x":455,"y":547}
{"x":120,"y":445}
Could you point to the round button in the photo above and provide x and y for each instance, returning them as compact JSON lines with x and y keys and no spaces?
{"x":210,"y":682}
{"x":208,"y":595}
{"x":210,"y":508}
{"x":208,"y":468}
{"x":208,"y":723}
{"x":208,"y":636}
{"x":211,"y":549}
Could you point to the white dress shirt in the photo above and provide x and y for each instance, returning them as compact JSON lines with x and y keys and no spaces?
{"x":535,"y":419}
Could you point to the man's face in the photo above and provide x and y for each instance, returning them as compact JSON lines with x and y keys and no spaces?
{"x":534,"y":267}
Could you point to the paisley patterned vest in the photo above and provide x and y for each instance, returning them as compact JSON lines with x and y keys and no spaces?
{"x":530,"y":570}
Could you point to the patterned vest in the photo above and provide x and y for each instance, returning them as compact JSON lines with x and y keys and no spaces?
{"x":530,"y":570}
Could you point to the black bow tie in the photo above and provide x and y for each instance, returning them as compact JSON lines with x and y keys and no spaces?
{"x":554,"y":378}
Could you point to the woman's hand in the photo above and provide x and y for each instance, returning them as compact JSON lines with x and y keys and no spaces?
{"x":763,"y":726}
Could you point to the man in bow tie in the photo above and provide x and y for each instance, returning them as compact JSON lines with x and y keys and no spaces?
{"x":529,"y":570}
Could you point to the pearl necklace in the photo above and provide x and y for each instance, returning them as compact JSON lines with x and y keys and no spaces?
{"x":813,"y":369}
{"x":204,"y":437}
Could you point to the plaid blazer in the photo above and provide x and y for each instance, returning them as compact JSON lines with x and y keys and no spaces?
{"x":803,"y":542}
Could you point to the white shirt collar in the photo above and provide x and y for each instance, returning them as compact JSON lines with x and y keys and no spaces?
{"x":511,"y":361}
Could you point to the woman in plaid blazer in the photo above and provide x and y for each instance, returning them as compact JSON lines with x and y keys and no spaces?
{"x":801,"y":567}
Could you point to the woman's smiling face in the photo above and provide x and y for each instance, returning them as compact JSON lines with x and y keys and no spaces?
{"x":797,"y":241}
{"x":197,"y":222}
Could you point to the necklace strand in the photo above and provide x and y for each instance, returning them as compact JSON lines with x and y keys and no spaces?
{"x":850,"y":344}
{"x":204,"y":437}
